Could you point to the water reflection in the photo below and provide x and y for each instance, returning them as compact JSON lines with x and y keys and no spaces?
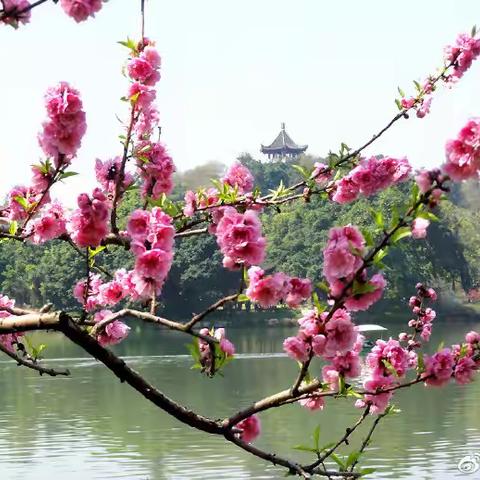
{"x":91,"y":426}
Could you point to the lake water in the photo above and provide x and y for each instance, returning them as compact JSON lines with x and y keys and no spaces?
{"x":90,"y":426}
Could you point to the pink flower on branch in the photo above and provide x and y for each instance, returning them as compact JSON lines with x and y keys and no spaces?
{"x":65,"y":126}
{"x":240,"y":177}
{"x":11,"y":12}
{"x":113,"y":332}
{"x":239,"y":236}
{"x":80,"y":10}
{"x":89,"y":224}
{"x":249,"y":428}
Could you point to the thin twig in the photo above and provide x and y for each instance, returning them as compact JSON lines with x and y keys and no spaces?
{"x":33,"y":365}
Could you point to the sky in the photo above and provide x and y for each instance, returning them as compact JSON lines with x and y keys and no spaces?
{"x":232,"y":71}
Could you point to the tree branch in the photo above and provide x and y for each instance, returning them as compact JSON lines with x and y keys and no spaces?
{"x":33,"y":365}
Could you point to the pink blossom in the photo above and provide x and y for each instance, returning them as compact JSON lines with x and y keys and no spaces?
{"x":370,"y":176}
{"x":88,"y":225}
{"x":42,"y":176}
{"x":145,"y":67}
{"x":144,"y":95}
{"x":114,"y":332}
{"x":424,"y":179}
{"x":50,"y":224}
{"x":464,"y":370}
{"x":310,"y":324}
{"x":296,"y":348}
{"x":147,"y":121}
{"x":225,"y":345}
{"x":346,"y":191}
{"x":267,"y":291}
{"x":299,"y":290}
{"x":342,"y":254}
{"x":313,"y":402}
{"x":239,"y":176}
{"x":154,"y":264}
{"x":321,"y":173}
{"x":424,"y":107}
{"x":93,"y":300}
{"x":462,"y":53}
{"x":80,"y":10}
{"x":5,"y":303}
{"x":408,"y":103}
{"x":463,"y":153}
{"x":21,"y":199}
{"x":387,"y":355}
{"x":472,"y":337}
{"x":108,"y":173}
{"x":318,"y":344}
{"x":340,"y":332}
{"x":138,"y":225}
{"x":438,"y":368}
{"x":330,"y":375}
{"x":65,"y":126}
{"x":347,"y":364}
{"x":11,"y":15}
{"x":156,"y":168}
{"x":365,"y":300}
{"x":378,"y":402}
{"x":239,"y":237}
{"x":250,"y":428}
{"x":419,"y":227}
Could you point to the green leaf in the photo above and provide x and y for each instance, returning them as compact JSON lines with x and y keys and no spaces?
{"x":320,"y":308}
{"x":243,"y":298}
{"x":305,"y":448}
{"x":400,"y":233}
{"x":65,"y":175}
{"x":338,"y":461}
{"x":428,"y":216}
{"x":134,"y":98}
{"x":389,"y":367}
{"x":399,"y":104}
{"x":440,"y":346}
{"x":323,"y":286}
{"x":95,"y":251}
{"x":362,"y":288}
{"x":401,"y":92}
{"x":420,"y":363}
{"x":302,"y":171}
{"x":377,"y":218}
{"x":353,"y":458}
{"x":380,"y":255}
{"x":367,"y":471}
{"x":13,"y":227}
{"x":368,"y":237}
{"x":22,"y":202}
{"x":474,"y":30}
{"x":194,"y":350}
{"x":417,"y":86}
{"x":130,"y":44}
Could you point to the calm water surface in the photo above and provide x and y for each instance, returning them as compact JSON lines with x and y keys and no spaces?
{"x":91,"y":426}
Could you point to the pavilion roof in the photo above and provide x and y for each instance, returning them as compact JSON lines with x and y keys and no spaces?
{"x":283,"y":143}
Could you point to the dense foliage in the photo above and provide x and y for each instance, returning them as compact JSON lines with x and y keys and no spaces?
{"x":447,"y":259}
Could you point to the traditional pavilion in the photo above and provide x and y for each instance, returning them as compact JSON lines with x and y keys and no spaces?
{"x":283,"y":146}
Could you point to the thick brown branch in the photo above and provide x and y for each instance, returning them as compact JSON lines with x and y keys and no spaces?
{"x":30,"y":322}
{"x":136,"y":381}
